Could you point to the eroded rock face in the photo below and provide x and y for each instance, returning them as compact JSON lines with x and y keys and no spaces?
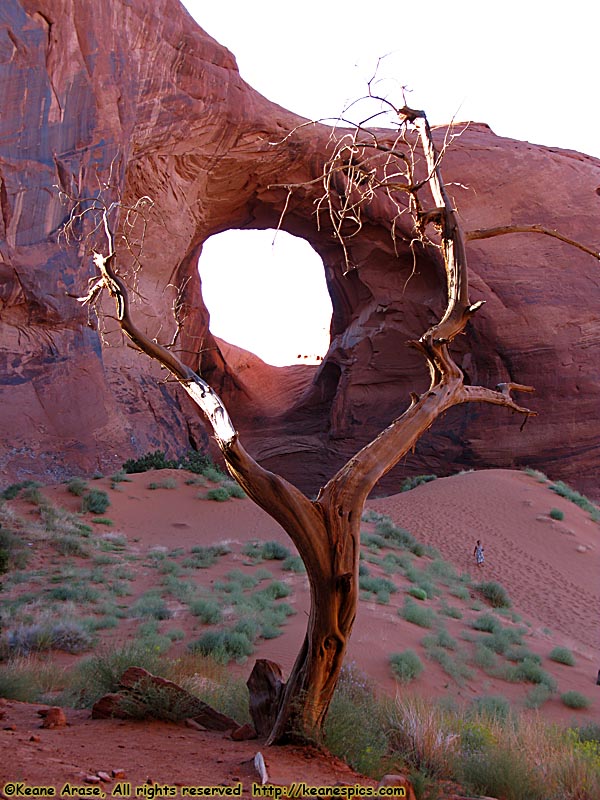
{"x":130,"y":98}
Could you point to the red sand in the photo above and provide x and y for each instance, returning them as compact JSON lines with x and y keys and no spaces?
{"x":550,"y":570}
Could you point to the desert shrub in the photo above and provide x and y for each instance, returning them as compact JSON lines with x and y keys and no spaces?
{"x":487,"y":623}
{"x":397,"y":537}
{"x":380,"y":587}
{"x":154,"y":460}
{"x":75,"y":592}
{"x":71,"y":637}
{"x":520,"y":653}
{"x":355,"y":725}
{"x":219,"y":494}
{"x":529,"y":671}
{"x":416,"y":480}
{"x":12,"y":552}
{"x":406,"y":665}
{"x":557,"y":514}
{"x":580,"y":500}
{"x":454,"y":666}
{"x":103,"y":521}
{"x":491,"y":706}
{"x":195,"y":462}
{"x":235,"y":490}
{"x":372,"y":540}
{"x":562,"y":655}
{"x":14,"y":489}
{"x":418,"y":615}
{"x":77,"y":486}
{"x":537,"y":696}
{"x":293,"y":564}
{"x":95,"y":501}
{"x":576,"y":700}
{"x":213,"y":474}
{"x":484,"y":657}
{"x":535,"y":473}
{"x":242,"y":579}
{"x":99,"y":675}
{"x":16,"y":684}
{"x":440,"y":639}
{"x":223,"y":645}
{"x":150,"y":605}
{"x":204,"y":557}
{"x":274,"y":551}
{"x":501,"y":771}
{"x":460,"y":592}
{"x":276,"y":590}
{"x":417,"y":592}
{"x":419,"y":733}
{"x":168,"y":483}
{"x":208,"y":611}
{"x":450,"y":611}
{"x":504,"y":639}
{"x":495,"y":594}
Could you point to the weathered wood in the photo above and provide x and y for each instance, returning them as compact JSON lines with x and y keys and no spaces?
{"x":265,"y":686}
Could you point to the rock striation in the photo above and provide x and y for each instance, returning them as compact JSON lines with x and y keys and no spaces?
{"x":129,"y":99}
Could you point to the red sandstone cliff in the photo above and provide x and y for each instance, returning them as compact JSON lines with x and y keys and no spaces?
{"x":133,"y":91}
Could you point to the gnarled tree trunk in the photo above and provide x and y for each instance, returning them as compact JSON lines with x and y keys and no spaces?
{"x":326,"y":531}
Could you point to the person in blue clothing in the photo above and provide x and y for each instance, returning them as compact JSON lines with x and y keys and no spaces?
{"x":478,"y":553}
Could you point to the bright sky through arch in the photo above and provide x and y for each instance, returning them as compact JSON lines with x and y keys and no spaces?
{"x":528,"y":68}
{"x":276,"y":303}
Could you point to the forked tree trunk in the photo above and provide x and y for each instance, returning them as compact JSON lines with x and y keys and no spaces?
{"x":326,"y":531}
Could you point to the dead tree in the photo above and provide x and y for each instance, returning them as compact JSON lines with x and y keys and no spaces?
{"x":326,"y":531}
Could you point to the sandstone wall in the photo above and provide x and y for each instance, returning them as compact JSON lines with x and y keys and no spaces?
{"x":130,"y":98}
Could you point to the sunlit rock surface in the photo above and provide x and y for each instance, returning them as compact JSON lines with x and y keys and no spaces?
{"x":129,"y":98}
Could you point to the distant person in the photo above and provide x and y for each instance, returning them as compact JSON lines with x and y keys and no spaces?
{"x":478,"y":553}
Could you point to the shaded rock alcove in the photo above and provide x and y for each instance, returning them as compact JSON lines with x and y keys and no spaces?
{"x":131,"y":96}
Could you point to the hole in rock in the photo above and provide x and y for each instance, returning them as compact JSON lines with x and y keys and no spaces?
{"x":266,"y":292}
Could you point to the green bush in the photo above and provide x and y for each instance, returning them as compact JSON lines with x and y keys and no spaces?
{"x":218,"y":494}
{"x":154,"y":460}
{"x":580,"y":500}
{"x":495,"y":594}
{"x":380,"y":587}
{"x":274,"y":551}
{"x":416,"y":480}
{"x":204,"y":557}
{"x":406,"y":666}
{"x":224,"y":645}
{"x":418,"y":615}
{"x":101,"y":674}
{"x":77,"y":486}
{"x":95,"y":501}
{"x":168,"y":483}
{"x":562,"y":655}
{"x":491,"y":706}
{"x":355,"y":724}
{"x":416,"y":591}
{"x":70,"y":637}
{"x":529,"y":671}
{"x":575,"y":700}
{"x":150,"y":605}
{"x":487,"y":623}
{"x":208,"y":611}
{"x":293,"y":564}
{"x":537,"y":696}
{"x":557,"y":514}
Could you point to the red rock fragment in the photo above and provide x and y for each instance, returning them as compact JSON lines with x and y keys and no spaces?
{"x":53,"y":717}
{"x":244,"y":733}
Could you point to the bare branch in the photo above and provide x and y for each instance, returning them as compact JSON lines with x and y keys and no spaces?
{"x":502,"y":230}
